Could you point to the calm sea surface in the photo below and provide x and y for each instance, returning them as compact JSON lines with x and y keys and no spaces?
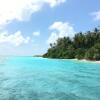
{"x":31,"y":78}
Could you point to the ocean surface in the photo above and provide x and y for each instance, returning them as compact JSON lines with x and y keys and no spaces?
{"x":32,"y":78}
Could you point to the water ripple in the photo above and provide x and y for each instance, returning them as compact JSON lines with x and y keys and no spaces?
{"x":27,"y":78}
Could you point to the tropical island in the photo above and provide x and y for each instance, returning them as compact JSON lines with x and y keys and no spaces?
{"x":81,"y":46}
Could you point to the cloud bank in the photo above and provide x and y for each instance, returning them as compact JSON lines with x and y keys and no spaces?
{"x":15,"y":39}
{"x":60,"y":30}
{"x":22,"y":10}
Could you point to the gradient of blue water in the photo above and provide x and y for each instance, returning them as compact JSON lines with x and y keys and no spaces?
{"x":28,"y":78}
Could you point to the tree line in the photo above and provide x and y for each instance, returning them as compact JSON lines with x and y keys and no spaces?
{"x":81,"y":46}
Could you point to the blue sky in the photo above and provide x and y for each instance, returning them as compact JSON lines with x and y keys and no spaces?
{"x":28,"y":26}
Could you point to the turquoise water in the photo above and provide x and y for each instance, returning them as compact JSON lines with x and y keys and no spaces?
{"x":28,"y":78}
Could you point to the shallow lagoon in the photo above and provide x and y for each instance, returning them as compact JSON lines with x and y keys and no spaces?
{"x":28,"y":78}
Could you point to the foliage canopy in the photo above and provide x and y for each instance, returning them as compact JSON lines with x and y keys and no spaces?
{"x":82,"y":46}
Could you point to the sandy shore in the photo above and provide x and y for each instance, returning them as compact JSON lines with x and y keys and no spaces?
{"x":84,"y":60}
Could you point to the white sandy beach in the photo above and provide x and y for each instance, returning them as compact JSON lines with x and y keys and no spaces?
{"x":84,"y":60}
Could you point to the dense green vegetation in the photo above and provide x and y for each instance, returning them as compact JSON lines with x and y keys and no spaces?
{"x":82,"y":46}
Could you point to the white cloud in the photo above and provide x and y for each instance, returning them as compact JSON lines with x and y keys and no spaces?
{"x":53,"y":3}
{"x":36,"y":33}
{"x":53,"y":37}
{"x":22,"y":9}
{"x":96,"y":15}
{"x":15,"y":39}
{"x":59,"y":30}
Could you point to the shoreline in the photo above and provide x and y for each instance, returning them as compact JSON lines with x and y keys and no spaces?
{"x":84,"y":60}
{"x":75,"y":59}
